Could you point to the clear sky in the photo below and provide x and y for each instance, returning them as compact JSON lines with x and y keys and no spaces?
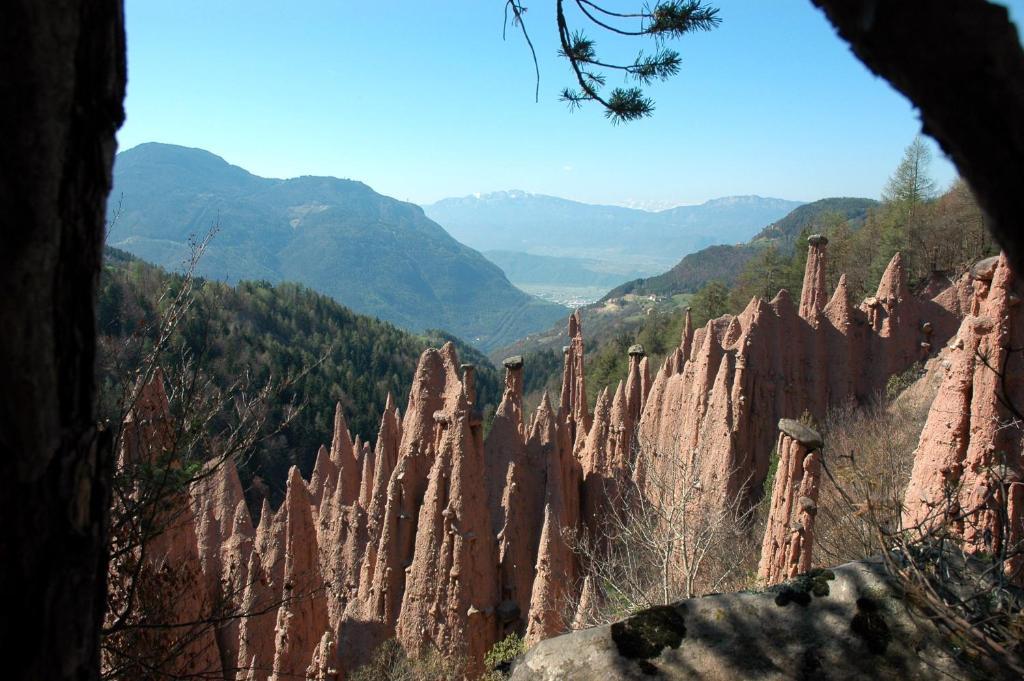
{"x":424,"y":100}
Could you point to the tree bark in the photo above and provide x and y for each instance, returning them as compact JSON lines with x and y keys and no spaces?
{"x":962,"y":65}
{"x":62,"y":88}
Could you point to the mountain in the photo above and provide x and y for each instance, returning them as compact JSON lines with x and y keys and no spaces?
{"x":725,"y":262}
{"x":269,"y":331}
{"x":375,"y":254}
{"x":547,"y":225}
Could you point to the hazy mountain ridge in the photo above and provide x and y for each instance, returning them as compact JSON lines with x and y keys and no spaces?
{"x":549,"y":225}
{"x":373,"y":253}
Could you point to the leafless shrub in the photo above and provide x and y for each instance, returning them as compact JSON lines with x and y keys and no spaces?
{"x":665,"y":537}
{"x":868,"y":457}
{"x":391,"y":663}
{"x":145,"y":633}
{"x":962,"y":563}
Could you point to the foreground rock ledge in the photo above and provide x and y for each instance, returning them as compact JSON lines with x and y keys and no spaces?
{"x":844,"y":623}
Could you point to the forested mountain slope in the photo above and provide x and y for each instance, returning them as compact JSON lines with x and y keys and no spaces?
{"x":268,"y":331}
{"x":370,"y":252}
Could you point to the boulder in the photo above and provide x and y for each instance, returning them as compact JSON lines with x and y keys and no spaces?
{"x":845,"y":623}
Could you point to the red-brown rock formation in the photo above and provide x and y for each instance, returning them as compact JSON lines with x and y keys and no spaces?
{"x":256,"y":627}
{"x":968,"y":467}
{"x":441,"y":540}
{"x":515,"y":475}
{"x":302,"y":617}
{"x":451,"y":590}
{"x":574,"y":387}
{"x":789,"y":533}
{"x":719,"y":406}
{"x":436,"y":394}
{"x":555,"y":573}
{"x":345,"y":457}
{"x":814,"y":297}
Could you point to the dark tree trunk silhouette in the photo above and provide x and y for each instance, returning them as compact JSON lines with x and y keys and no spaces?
{"x":61,"y":93}
{"x":961,"y":63}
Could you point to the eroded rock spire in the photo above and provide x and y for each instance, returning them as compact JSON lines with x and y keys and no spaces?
{"x":789,"y":533}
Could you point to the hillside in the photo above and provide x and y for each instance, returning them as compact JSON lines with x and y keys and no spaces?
{"x":270,"y":330}
{"x":619,"y":239}
{"x":370,"y":252}
{"x":725,"y":262}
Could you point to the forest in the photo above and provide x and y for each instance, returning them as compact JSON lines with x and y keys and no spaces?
{"x":315,"y":351}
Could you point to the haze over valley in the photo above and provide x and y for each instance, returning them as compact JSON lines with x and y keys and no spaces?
{"x":567,"y":251}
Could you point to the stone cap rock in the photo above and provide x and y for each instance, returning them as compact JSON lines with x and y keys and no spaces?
{"x":806,"y":436}
{"x":985,"y":268}
{"x":636,"y":350}
{"x":817,"y":240}
{"x":467,"y":366}
{"x":513,"y":362}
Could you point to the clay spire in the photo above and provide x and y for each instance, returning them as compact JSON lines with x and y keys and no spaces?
{"x":636,"y":383}
{"x":588,"y":607}
{"x":302,"y":617}
{"x":893,"y":287}
{"x":968,"y":467}
{"x":451,"y":591}
{"x":686,"y":342}
{"x":366,"y":478}
{"x":324,"y":477}
{"x":839,"y":311}
{"x":574,"y":389}
{"x":236,"y":555}
{"x":555,"y":570}
{"x":645,"y":384}
{"x":343,"y":456}
{"x":789,"y":534}
{"x":506,"y":443}
{"x":173,"y":557}
{"x":256,"y":629}
{"x":323,"y":667}
{"x":813,"y":296}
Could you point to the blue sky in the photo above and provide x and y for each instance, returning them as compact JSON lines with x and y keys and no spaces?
{"x":424,"y":100}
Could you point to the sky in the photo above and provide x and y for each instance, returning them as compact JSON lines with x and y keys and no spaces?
{"x":423,"y":101}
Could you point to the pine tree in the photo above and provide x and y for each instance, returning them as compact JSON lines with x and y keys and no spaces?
{"x":911,"y":184}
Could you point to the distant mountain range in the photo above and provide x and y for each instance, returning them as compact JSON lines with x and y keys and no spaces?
{"x":375,"y":254}
{"x":725,"y":262}
{"x":547,"y":225}
{"x":565,"y":250}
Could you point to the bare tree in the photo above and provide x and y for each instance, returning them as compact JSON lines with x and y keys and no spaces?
{"x":164,"y":614}
{"x":665,"y":537}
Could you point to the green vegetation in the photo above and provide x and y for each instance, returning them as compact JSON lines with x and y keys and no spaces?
{"x":498,"y":659}
{"x":269,"y":331}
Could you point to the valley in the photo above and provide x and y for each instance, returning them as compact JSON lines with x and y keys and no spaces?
{"x":298,"y":389}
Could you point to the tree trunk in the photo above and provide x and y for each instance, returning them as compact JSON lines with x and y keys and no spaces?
{"x":961,"y":63}
{"x":61,"y":89}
